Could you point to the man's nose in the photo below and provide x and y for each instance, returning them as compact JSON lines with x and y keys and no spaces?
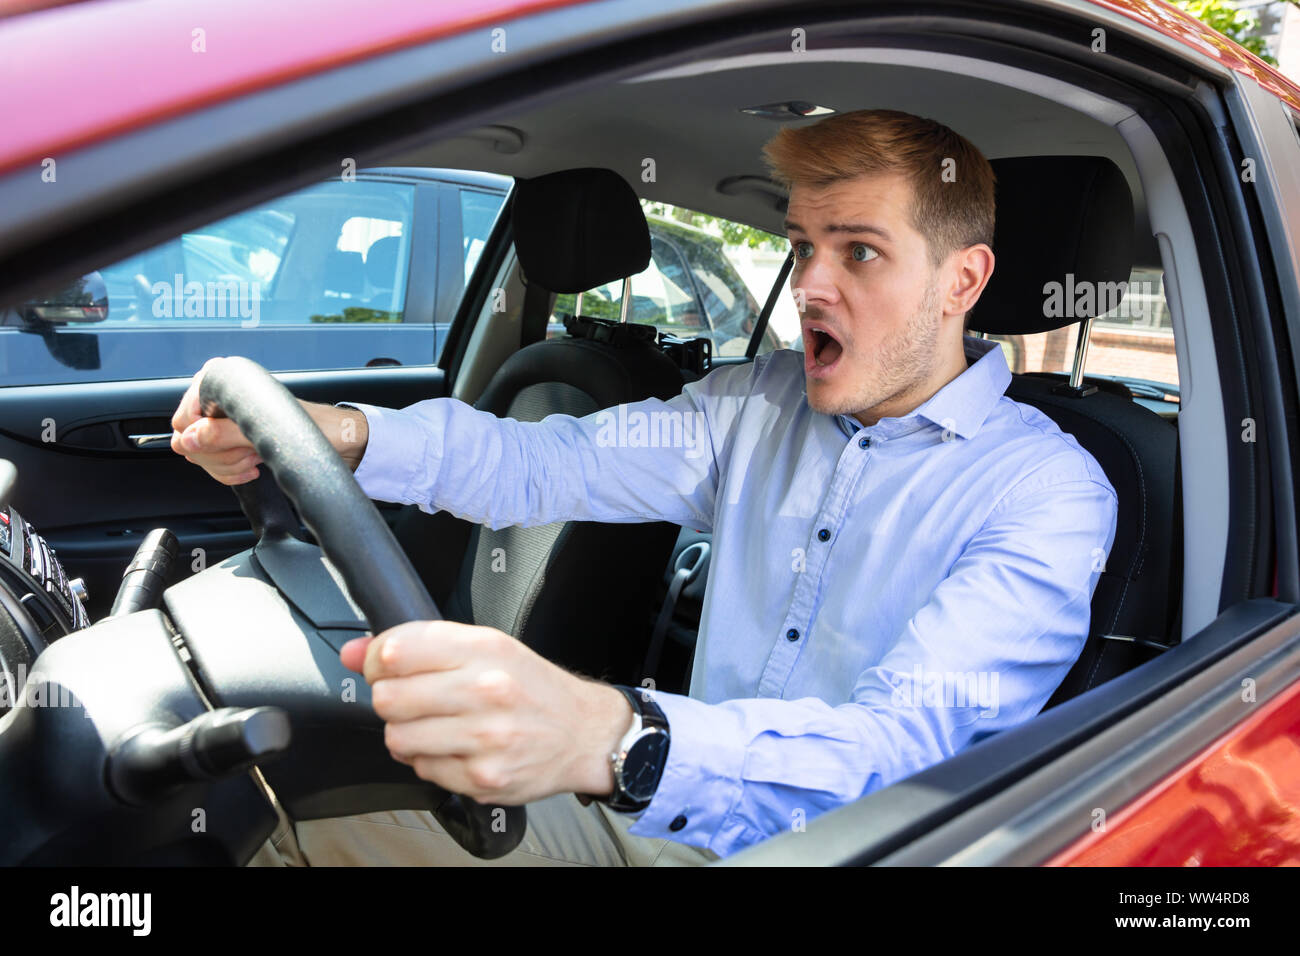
{"x":813,"y":280}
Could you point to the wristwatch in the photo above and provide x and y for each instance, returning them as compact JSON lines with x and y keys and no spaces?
{"x":639,"y":760}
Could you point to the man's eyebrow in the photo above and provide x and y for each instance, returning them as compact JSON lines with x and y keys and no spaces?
{"x":853,"y":228}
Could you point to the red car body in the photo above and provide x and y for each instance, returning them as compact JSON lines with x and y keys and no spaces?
{"x":128,"y":63}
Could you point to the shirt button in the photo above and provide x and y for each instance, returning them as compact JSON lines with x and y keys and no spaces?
{"x":792,"y":634}
{"x":824,"y":535}
{"x":678,"y":823}
{"x":864,"y":442}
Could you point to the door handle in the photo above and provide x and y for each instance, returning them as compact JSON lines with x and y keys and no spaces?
{"x":150,"y":441}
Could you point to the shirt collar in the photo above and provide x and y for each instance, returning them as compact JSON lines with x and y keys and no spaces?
{"x":962,"y":405}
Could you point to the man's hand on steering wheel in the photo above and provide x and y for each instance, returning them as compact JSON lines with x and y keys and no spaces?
{"x":474,"y":710}
{"x":468,"y":708}
{"x":218,"y":446}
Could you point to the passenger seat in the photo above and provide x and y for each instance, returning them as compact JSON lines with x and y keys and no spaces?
{"x":1086,"y":199}
{"x":579,"y":593}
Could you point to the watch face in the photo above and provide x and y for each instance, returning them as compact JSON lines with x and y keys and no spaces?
{"x":643,"y":765}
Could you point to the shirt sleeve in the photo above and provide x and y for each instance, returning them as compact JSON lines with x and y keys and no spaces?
{"x":652,"y":460}
{"x":995,"y":639}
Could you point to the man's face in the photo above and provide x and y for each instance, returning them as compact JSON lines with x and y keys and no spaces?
{"x":871,"y":316}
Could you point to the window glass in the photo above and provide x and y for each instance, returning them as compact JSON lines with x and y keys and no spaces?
{"x":707,"y":277}
{"x":316,"y":279}
{"x":478,"y":213}
{"x":677,"y":304}
{"x":1133,"y":342}
{"x":657,"y":298}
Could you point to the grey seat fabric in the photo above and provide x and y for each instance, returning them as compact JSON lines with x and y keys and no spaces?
{"x":505,"y":601}
{"x":580,"y":593}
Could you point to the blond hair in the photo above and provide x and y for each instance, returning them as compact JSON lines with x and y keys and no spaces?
{"x":952,"y":211}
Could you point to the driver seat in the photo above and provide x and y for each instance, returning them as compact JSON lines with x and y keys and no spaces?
{"x":580,"y":593}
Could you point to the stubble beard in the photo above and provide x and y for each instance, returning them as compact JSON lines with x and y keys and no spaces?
{"x":902,"y":362}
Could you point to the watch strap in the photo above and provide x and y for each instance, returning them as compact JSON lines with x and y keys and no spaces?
{"x":643,"y":703}
{"x":651,"y":716}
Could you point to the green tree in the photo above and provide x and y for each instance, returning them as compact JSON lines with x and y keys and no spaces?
{"x":357,"y":314}
{"x":732,"y":233}
{"x":1236,"y":25}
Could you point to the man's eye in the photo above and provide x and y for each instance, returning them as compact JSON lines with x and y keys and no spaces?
{"x":803,"y":250}
{"x":863,"y":252}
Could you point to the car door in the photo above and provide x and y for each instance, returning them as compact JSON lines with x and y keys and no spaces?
{"x":332,"y":287}
{"x":1188,"y":760}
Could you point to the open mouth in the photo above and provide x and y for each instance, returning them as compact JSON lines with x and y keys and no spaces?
{"x":822,"y":348}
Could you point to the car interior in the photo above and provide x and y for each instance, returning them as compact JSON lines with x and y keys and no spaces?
{"x":1085,"y":189}
{"x":1061,"y":173}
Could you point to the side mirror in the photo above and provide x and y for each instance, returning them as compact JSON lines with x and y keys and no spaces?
{"x":80,"y":300}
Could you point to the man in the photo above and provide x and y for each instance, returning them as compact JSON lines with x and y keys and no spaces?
{"x":904,"y":558}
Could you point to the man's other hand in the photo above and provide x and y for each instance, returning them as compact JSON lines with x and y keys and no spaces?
{"x":218,"y":446}
{"x":479,"y":713}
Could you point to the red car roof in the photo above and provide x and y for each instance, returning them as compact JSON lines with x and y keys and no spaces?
{"x":101,"y":68}
{"x":1192,"y":32}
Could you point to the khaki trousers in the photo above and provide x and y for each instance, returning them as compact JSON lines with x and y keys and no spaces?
{"x":561,"y":832}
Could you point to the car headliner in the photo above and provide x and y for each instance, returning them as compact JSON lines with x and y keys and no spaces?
{"x":693,"y":128}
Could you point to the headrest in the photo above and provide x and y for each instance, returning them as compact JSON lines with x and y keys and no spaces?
{"x":578,"y":229}
{"x":1066,"y":220}
{"x":381,"y":261}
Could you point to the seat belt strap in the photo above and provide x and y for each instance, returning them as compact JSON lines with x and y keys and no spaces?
{"x":685,"y":569}
{"x":656,"y":648}
{"x":778,"y":288}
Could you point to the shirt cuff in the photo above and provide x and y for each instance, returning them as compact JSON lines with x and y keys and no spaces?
{"x":395,"y":452}
{"x":701,"y":781}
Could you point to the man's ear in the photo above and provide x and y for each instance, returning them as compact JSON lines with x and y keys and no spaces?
{"x":972,"y":268}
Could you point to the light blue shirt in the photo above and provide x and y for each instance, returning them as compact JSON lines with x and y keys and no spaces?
{"x":878,"y":597}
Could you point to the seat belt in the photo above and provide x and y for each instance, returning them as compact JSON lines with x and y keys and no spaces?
{"x":761,"y":325}
{"x":685,"y":570}
{"x":537,"y":309}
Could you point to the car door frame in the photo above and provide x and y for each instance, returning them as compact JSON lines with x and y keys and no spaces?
{"x":1030,"y":794}
{"x":1244,"y":623}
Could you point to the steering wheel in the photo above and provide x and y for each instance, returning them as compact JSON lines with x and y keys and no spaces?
{"x":302,"y":467}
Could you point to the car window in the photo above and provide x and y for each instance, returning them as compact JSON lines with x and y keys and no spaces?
{"x":707,"y":277}
{"x":1133,"y":342}
{"x":478,"y":212}
{"x":662,"y":295}
{"x":676,"y":303}
{"x":316,"y":279}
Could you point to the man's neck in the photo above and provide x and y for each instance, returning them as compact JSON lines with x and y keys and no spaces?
{"x":954,"y":364}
